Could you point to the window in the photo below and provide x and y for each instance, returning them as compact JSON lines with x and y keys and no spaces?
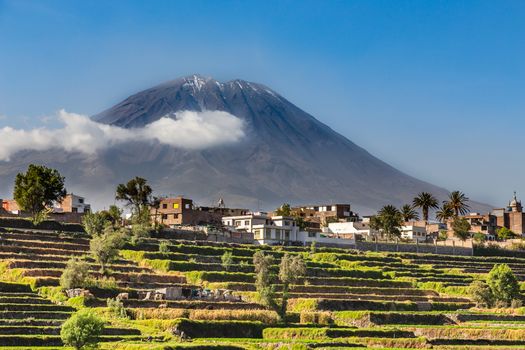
{"x":287,"y":223}
{"x":164,"y":216}
{"x":187,"y":206}
{"x":175,"y":205}
{"x":268,"y":233}
{"x":287,"y":235}
{"x":74,"y":210}
{"x":81,"y":200}
{"x":164,"y":206}
{"x":312,"y":234}
{"x":246,"y":222}
{"x":238,"y":223}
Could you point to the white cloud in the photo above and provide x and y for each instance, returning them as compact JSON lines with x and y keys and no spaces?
{"x":190,"y":130}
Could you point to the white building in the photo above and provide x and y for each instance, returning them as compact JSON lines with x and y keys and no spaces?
{"x":278,"y":230}
{"x":416,"y":233}
{"x":265,"y":229}
{"x":347,"y":229}
{"x":73,"y":203}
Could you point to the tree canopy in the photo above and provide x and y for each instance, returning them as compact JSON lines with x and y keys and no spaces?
{"x":461,"y":228}
{"x":388,"y":221}
{"x":457,"y":200}
{"x":136,"y":193}
{"x":425,"y":201}
{"x":38,"y":189}
{"x":444,"y":213}
{"x":409,"y":213}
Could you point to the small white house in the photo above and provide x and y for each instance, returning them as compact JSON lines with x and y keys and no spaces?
{"x":415,"y":233}
{"x":265,"y":229}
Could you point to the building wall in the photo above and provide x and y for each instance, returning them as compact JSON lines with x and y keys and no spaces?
{"x":181,"y":211}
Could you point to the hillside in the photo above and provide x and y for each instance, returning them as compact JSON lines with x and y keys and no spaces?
{"x":347,"y":299}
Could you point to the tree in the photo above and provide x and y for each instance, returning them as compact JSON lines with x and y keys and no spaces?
{"x":479,"y":237}
{"x":284,"y":210}
{"x":227,"y":260}
{"x":425,"y":201}
{"x":461,"y":228}
{"x":504,"y":233}
{"x":458,"y":202}
{"x":113,"y":215}
{"x":444,"y":213}
{"x":408,"y":213}
{"x":136,"y":193}
{"x":94,"y":223}
{"x":388,"y":221}
{"x":503,"y":283}
{"x":82,"y":329}
{"x":481,"y":294}
{"x":263,"y":281}
{"x":38,"y":189}
{"x":75,"y":275}
{"x":155,"y":203}
{"x":291,"y":269}
{"x":104,"y":248}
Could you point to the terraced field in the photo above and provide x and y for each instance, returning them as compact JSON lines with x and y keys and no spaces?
{"x":347,"y":299}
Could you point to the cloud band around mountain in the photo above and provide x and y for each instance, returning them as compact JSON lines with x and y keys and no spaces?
{"x":190,"y":130}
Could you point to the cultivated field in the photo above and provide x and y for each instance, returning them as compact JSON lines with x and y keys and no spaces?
{"x":347,"y":300}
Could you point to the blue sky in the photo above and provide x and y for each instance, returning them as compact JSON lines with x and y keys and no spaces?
{"x":435,"y":88}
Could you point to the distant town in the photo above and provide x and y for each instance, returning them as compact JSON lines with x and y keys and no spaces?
{"x":328,"y":224}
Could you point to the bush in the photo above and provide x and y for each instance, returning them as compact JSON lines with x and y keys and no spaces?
{"x":164,"y":247}
{"x":227,"y":260}
{"x":481,"y":294}
{"x":503,"y":283}
{"x":82,"y":329}
{"x":139,"y":232}
{"x":116,"y":308}
{"x":104,"y":248}
{"x":75,"y":275}
{"x":94,"y":223}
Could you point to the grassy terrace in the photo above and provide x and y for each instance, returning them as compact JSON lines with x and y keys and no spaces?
{"x":348,"y":299}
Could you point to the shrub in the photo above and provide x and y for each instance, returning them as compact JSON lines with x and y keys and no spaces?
{"x":504,"y":233}
{"x":75,"y":275}
{"x":164,"y":247}
{"x":139,"y":232}
{"x":94,"y":223}
{"x":481,"y":294}
{"x":116,"y":308}
{"x":503,"y":283}
{"x":227,"y":260}
{"x":82,"y":329}
{"x":104,"y":248}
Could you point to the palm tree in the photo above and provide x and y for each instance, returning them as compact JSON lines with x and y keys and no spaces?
{"x":388,"y":220}
{"x":444,"y":213}
{"x":408,"y":213}
{"x":425,"y":201}
{"x":458,"y":202}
